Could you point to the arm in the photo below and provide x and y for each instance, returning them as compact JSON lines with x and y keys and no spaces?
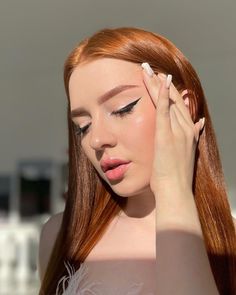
{"x":183,"y":267}
{"x":182,"y":262}
{"x":46,"y":242}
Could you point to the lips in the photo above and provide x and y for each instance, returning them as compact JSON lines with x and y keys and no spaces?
{"x":112,"y":163}
{"x":118,"y":172}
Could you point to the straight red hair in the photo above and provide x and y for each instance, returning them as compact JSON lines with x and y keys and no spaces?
{"x":91,"y":204}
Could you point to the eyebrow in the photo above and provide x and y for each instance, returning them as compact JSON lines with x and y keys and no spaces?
{"x":104,"y":97}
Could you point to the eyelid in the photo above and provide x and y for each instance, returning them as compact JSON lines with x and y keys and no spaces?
{"x":114,"y":112}
{"x":129,"y":105}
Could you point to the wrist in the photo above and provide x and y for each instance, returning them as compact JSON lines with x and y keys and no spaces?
{"x":177,"y":210}
{"x":173,"y":192}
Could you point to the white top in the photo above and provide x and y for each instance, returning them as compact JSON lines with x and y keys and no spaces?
{"x":79,"y":283}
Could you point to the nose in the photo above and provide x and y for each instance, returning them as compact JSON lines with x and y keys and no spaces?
{"x":101,"y":136}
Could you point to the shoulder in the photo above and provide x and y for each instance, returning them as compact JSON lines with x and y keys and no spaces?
{"x":47,"y":239}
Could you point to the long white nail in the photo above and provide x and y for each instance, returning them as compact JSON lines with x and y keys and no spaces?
{"x":202,"y":122}
{"x":168,"y":81}
{"x":147,"y":68}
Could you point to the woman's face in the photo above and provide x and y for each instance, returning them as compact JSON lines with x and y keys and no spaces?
{"x":129,"y":136}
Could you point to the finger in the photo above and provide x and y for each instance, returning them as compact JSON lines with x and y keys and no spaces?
{"x":199,"y":126}
{"x":163,"y":119}
{"x":151,"y":82}
{"x":195,"y":128}
{"x":176,"y":127}
{"x":184,"y":92}
{"x":159,"y":92}
{"x":185,"y":97}
{"x":179,"y":101}
{"x":187,"y":129}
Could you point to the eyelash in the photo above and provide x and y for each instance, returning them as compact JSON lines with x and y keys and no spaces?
{"x":121,"y":113}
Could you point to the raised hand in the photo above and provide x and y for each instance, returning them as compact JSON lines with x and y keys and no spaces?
{"x":176,"y":135}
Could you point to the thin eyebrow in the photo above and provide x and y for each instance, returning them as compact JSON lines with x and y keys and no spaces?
{"x":104,"y":97}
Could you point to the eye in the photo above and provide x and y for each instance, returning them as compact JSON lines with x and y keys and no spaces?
{"x":121,"y":113}
{"x":126,"y":110}
{"x":80,"y":131}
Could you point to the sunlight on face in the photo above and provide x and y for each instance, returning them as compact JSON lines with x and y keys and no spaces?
{"x":119,"y":124}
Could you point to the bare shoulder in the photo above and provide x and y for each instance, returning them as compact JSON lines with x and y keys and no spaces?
{"x":47,"y":239}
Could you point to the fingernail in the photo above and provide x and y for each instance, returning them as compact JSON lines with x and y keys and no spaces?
{"x":147,"y":68}
{"x":202,"y":122}
{"x":168,"y":81}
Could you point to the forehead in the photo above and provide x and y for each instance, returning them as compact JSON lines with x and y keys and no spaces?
{"x":98,"y":76}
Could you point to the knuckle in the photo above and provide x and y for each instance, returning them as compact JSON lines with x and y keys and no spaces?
{"x":164,"y":113}
{"x":163,"y":109}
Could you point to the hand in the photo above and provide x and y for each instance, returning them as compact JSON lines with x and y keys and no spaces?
{"x":176,"y":135}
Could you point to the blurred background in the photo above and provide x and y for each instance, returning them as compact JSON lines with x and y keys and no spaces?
{"x":35,"y":38}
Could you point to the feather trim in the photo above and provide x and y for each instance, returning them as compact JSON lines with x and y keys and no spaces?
{"x":74,"y":281}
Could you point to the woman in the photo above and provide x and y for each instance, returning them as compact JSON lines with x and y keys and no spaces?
{"x":146,"y":191}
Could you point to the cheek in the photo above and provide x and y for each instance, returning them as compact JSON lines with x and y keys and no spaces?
{"x":140,"y":133}
{"x":88,"y":153}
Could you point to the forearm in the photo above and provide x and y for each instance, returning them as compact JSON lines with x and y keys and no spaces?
{"x":183,"y":267}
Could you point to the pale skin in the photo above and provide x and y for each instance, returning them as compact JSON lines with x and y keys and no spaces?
{"x":185,"y":262}
{"x":114,"y":136}
{"x":158,"y":199}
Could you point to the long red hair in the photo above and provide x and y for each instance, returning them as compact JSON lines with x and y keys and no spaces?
{"x":91,"y":204}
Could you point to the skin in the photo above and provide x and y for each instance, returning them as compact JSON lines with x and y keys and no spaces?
{"x":181,"y":254}
{"x":161,"y":175}
{"x":114,"y":136}
{"x":154,"y":179}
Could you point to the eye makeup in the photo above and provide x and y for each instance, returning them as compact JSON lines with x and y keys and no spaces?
{"x":120,"y":113}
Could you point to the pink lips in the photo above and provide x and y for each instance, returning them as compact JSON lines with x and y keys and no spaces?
{"x":114,"y":168}
{"x":117,"y":172}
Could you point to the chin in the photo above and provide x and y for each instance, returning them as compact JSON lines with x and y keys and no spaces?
{"x":131,"y":191}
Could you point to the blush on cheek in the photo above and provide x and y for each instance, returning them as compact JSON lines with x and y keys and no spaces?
{"x":139,"y":120}
{"x":144,"y":134}
{"x":146,"y":126}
